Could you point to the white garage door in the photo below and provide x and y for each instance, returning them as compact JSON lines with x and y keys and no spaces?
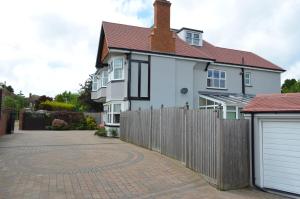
{"x":281,"y":156}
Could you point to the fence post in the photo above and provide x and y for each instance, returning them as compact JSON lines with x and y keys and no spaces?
{"x":186,"y":108}
{"x":150,"y":133}
{"x":160,"y":126}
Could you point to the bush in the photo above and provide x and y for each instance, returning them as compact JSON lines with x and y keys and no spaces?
{"x":101,"y":132}
{"x":91,"y":123}
{"x":114,"y":133}
{"x":56,"y":106}
{"x":58,"y":124}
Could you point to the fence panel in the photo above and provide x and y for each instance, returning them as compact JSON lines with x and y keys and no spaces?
{"x":235,"y":169}
{"x":216,"y":148}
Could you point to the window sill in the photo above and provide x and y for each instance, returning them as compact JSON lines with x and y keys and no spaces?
{"x":116,"y":80}
{"x":248,"y":86}
{"x":212,"y":88}
{"x":112,"y":125}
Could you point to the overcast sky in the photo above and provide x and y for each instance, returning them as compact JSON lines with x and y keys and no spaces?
{"x":48,"y":46}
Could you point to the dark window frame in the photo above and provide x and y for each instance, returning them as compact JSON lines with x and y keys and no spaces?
{"x":140,"y":62}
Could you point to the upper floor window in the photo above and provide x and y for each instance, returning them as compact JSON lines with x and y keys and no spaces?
{"x":216,"y":79}
{"x":95,"y":83}
{"x":104,"y":79}
{"x":193,"y":38}
{"x":116,"y":69}
{"x":248,"y":79}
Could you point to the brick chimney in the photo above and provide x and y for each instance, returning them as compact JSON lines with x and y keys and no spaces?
{"x":161,"y":38}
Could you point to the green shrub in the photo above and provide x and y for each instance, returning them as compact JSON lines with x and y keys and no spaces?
{"x":113,"y":132}
{"x":101,"y":132}
{"x":56,"y":106}
{"x":91,"y":123}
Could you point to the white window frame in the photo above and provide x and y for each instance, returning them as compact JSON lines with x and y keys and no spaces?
{"x":110,"y":113}
{"x":219,"y":79}
{"x":249,"y":83}
{"x":192,"y":40}
{"x":95,"y":82}
{"x":103,"y":78}
{"x":111,"y":70}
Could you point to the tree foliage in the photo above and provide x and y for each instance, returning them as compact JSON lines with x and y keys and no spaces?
{"x":290,"y":86}
{"x":85,"y":98}
{"x":43,"y":98}
{"x":69,"y":98}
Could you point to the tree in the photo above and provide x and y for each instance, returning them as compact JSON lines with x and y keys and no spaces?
{"x":290,"y":86}
{"x":70,"y":98}
{"x":43,"y":98}
{"x":85,"y":98}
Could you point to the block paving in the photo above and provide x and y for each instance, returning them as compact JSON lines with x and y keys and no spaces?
{"x":77,"y":164}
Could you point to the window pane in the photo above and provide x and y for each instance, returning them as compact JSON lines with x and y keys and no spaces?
{"x":144,"y":80}
{"x":222,"y":83}
{"x":134,"y":79}
{"x":247,"y":81}
{"x":223,"y":75}
{"x":118,"y":73}
{"x":116,"y":118}
{"x":209,"y":73}
{"x":117,"y":108}
{"x":209,"y":82}
{"x":188,"y":35}
{"x":196,"y":36}
{"x":231,"y":115}
{"x":202,"y":101}
{"x":209,"y":102}
{"x":216,"y":74}
{"x":118,"y":63}
{"x":216,"y":83}
{"x":231,"y":108}
{"x":196,"y":42}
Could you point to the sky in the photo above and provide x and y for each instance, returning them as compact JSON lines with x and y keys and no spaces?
{"x":49,"y":46}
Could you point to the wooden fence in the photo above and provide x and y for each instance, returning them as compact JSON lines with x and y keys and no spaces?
{"x":216,"y":148}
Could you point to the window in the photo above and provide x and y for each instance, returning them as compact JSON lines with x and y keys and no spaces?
{"x":231,"y":112}
{"x":207,"y":104}
{"x":193,"y":38}
{"x":104,"y":79}
{"x":216,"y":79}
{"x":116,"y":69}
{"x":112,"y":113}
{"x":139,"y":80}
{"x":95,"y":83}
{"x":248,"y":79}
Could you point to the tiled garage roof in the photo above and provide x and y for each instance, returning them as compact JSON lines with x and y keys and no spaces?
{"x":137,"y":38}
{"x":274,"y":103}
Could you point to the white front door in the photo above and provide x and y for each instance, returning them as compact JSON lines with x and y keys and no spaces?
{"x":281,"y":156}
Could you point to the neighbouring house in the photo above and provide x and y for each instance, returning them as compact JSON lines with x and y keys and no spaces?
{"x":275,"y":127}
{"x":141,"y":67}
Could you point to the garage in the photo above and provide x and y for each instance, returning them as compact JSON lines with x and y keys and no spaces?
{"x":275,"y":138}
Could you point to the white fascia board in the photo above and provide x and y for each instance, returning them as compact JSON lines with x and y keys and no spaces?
{"x":159,"y":55}
{"x":247,"y":67}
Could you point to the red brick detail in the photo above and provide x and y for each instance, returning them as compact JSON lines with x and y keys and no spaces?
{"x":162,"y":38}
{"x":104,"y":50}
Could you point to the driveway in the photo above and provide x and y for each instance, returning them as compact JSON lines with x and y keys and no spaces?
{"x":77,"y":164}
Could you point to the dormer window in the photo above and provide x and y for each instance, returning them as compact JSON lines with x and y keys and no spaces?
{"x":193,"y":38}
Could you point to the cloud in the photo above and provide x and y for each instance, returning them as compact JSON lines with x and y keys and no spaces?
{"x":50,"y":46}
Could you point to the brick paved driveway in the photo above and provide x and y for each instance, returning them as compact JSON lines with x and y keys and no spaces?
{"x":81,"y":165}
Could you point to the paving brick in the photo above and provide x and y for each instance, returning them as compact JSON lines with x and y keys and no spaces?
{"x":78,"y":165}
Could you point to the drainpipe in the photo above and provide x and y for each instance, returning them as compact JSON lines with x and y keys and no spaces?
{"x":243,"y":77}
{"x":243,"y":81}
{"x":129,"y":80}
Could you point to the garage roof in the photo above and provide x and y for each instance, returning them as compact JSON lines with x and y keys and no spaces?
{"x":270,"y":103}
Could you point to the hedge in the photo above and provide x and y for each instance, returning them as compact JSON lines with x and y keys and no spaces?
{"x":56,"y":106}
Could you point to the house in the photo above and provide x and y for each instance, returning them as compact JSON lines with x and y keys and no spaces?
{"x":275,"y":135}
{"x":141,"y":67}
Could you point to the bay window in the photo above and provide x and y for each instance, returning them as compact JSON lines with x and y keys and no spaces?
{"x":112,"y":113}
{"x":116,"y":69}
{"x":216,"y":79}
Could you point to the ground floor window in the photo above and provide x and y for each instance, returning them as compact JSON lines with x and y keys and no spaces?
{"x":207,"y":104}
{"x":112,"y":113}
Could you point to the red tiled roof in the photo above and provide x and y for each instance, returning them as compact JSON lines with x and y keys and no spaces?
{"x":137,"y":38}
{"x":274,"y":103}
